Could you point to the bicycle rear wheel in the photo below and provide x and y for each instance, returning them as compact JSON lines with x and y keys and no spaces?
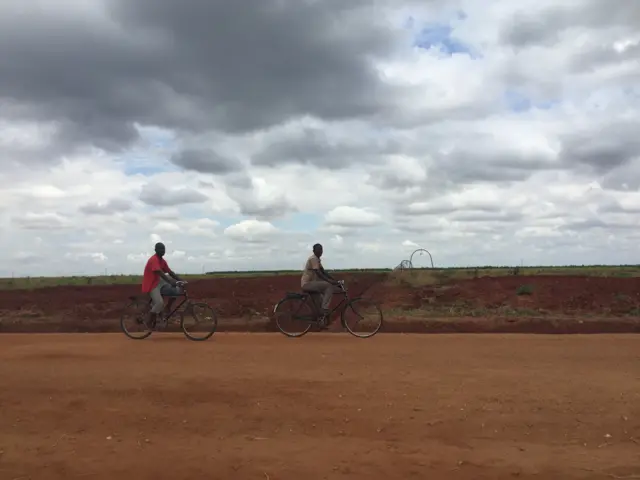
{"x":294,"y":316}
{"x":198,"y":321}
{"x":362,"y":317}
{"x":133,"y":319}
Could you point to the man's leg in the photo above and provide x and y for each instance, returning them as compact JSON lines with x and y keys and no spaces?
{"x":157,"y":304}
{"x":327,"y":295}
{"x":171,"y":293}
{"x":326,"y":289}
{"x":170,"y":303}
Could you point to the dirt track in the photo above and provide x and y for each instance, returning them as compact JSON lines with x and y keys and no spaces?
{"x":262,"y":406}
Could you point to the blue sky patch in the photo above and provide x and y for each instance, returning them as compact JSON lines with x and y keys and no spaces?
{"x":131,"y":169}
{"x":299,"y":222}
{"x":519,"y":102}
{"x":151,"y":155}
{"x":440,"y":36}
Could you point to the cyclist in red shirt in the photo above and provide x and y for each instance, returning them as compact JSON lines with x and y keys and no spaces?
{"x":159,"y":280}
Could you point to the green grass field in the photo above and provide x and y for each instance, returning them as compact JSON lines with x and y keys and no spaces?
{"x":415,"y":277}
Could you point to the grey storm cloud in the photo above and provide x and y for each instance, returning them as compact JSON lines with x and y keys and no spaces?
{"x":315,"y":147}
{"x":527,"y":29}
{"x":206,"y":161}
{"x":46,"y":221}
{"x":489,"y":164}
{"x":266,"y":210}
{"x":161,"y":197}
{"x":604,"y":55}
{"x":392,"y":180}
{"x":603,"y":148}
{"x":594,"y":223}
{"x":501,"y":216}
{"x":189,"y":65}
{"x":624,"y":178}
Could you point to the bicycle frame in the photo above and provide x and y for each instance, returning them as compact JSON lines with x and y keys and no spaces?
{"x":302,"y":299}
{"x":340,"y":306}
{"x":185,"y":299}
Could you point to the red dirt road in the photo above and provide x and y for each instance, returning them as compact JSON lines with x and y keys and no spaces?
{"x":264,"y":407}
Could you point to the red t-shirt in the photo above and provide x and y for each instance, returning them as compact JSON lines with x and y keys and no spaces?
{"x":151,"y":279}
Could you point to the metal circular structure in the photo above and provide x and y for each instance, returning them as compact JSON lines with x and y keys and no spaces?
{"x":420,"y":250}
{"x":404,"y":265}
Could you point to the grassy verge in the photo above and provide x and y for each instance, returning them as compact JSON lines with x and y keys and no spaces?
{"x":414,"y":277}
{"x":441,"y":276}
{"x":42,"y":282}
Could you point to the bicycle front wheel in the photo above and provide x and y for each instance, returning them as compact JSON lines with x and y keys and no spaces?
{"x":294,"y":316}
{"x":198,"y":321}
{"x":362,"y":317}
{"x":134,"y":318}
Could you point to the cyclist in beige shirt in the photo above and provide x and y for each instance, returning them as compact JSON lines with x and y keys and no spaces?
{"x":315,"y":279}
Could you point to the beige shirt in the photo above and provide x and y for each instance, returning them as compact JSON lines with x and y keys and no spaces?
{"x":308,"y":274}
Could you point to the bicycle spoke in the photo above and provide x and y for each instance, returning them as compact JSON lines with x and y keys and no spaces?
{"x":199,"y":321}
{"x":294,"y":316}
{"x":362,"y":318}
{"x":134,"y":319}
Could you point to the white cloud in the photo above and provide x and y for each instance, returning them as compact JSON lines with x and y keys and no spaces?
{"x":166,"y":227}
{"x":95,"y":257}
{"x":345,"y":216}
{"x":251,"y":231}
{"x":204,"y":227}
{"x":137,"y":257}
{"x":526,"y":148}
{"x":410,"y":244}
{"x":337,"y":241}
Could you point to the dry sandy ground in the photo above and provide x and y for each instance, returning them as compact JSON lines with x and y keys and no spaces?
{"x":265,"y":407}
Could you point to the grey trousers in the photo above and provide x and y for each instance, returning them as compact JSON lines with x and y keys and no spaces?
{"x":325,"y":288}
{"x":163,"y":288}
{"x":156,"y":297}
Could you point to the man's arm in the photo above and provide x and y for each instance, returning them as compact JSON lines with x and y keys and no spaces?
{"x":167,"y":269}
{"x":322,"y":274}
{"x":324,"y":277}
{"x":326,"y":274}
{"x":165,"y":277}
{"x":174,"y":275}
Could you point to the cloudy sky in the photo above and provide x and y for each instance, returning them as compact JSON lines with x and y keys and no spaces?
{"x":242,"y":132}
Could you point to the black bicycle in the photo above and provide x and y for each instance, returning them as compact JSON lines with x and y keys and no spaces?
{"x":297,"y":313}
{"x":136,"y":315}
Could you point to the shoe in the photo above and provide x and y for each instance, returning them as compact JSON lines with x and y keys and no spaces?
{"x":323,"y":322}
{"x":151,"y":324}
{"x":161,"y":322}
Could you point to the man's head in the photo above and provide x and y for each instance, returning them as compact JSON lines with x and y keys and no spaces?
{"x":160,"y":250}
{"x":317,"y":250}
